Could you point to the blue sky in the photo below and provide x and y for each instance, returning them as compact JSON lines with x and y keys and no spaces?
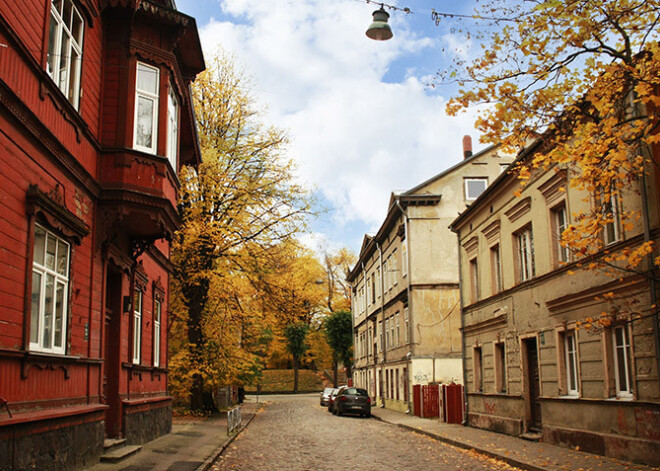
{"x":362,"y":120}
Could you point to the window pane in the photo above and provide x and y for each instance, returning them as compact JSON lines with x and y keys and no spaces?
{"x":39,"y":245}
{"x":57,"y":4}
{"x":46,"y":340}
{"x":62,"y":258}
{"x":53,"y":53}
{"x":34,"y":312}
{"x":144,"y":128}
{"x":474,"y":188}
{"x":51,"y":245}
{"x":75,"y":77}
{"x":77,"y":28}
{"x":63,"y":75}
{"x":147,"y":79}
{"x":66,"y":13}
{"x":59,"y":315}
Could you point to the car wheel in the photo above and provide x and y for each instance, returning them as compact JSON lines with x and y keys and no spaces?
{"x":367,"y":415}
{"x":339,"y":412}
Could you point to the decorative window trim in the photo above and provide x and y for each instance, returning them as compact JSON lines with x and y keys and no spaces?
{"x":492,"y":231}
{"x":554,"y":188}
{"x":471,"y":246}
{"x":173,"y":125}
{"x":138,"y":311}
{"x":519,"y":209}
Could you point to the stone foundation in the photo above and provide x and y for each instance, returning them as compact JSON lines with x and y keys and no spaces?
{"x":496,"y":423}
{"x":146,"y":422}
{"x":70,"y":443}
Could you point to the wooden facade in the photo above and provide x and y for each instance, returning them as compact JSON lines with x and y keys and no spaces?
{"x":90,"y":145}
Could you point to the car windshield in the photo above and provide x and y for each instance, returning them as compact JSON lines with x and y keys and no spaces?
{"x":327,"y":390}
{"x":355,"y":391}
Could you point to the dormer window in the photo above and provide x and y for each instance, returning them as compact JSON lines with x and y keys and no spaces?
{"x":65,"y":39}
{"x":146,"y":108}
{"x":172,"y":127}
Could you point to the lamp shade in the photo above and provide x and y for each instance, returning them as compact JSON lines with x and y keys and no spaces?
{"x":379,"y":29}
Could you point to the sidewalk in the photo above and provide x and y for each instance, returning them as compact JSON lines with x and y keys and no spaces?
{"x":192,"y":445}
{"x":533,"y":456}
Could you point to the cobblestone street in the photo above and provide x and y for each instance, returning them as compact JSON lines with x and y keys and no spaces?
{"x":296,"y":433}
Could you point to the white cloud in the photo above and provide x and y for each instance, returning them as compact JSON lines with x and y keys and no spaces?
{"x":355,"y":137}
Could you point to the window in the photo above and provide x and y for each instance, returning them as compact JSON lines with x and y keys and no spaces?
{"x":398,"y":329}
{"x":560,"y":222}
{"x":65,"y":37}
{"x":396,"y":375}
{"x":622,"y":374}
{"x":380,"y":336}
{"x":474,"y":280}
{"x":378,"y":281}
{"x":474,"y":187}
{"x":368,"y":291}
{"x":172,"y":127}
{"x":477,"y":365}
{"x":50,"y":288}
{"x":387,"y":333}
{"x":500,"y":367}
{"x":570,"y":351}
{"x":373,"y":288}
{"x":611,"y":213}
{"x":137,"y":326}
{"x":157,"y":313}
{"x":146,"y":108}
{"x":404,"y":259}
{"x":525,"y":254}
{"x":395,"y":268}
{"x":496,"y":268}
{"x":406,"y":321}
{"x":392,"y":338}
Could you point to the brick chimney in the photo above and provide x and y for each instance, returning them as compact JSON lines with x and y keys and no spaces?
{"x":467,"y":146}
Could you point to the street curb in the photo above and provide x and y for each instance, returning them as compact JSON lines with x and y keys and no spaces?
{"x":221,"y":449}
{"x":465,"y":446}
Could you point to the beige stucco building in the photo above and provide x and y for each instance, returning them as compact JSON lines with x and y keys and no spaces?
{"x":406,"y":306}
{"x":529,"y":365}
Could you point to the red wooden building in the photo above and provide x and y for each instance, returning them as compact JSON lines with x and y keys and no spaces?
{"x":95,"y":119}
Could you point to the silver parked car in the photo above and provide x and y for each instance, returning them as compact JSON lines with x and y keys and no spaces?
{"x":325,"y":395}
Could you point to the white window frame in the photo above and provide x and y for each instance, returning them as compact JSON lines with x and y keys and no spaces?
{"x":474,"y":280}
{"x":496,"y":260}
{"x":404,"y":259}
{"x":398,"y":329}
{"x":559,"y":213}
{"x":395,"y":269}
{"x":624,"y":348}
{"x":138,"y":303}
{"x":466,"y":183}
{"x":571,"y":359}
{"x":611,"y":231}
{"x":406,"y":322}
{"x":154,"y":97}
{"x":64,"y":63}
{"x":52,"y":270}
{"x":172,"y":127}
{"x":525,"y":249}
{"x":158,"y":311}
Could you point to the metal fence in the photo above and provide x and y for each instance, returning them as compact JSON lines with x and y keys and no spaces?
{"x":233,"y":419}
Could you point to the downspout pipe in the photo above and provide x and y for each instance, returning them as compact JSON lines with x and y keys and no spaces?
{"x":382,"y":316}
{"x":409,"y":298}
{"x":460,"y":296}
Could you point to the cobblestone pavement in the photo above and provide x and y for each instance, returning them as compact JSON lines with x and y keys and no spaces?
{"x":296,"y":433}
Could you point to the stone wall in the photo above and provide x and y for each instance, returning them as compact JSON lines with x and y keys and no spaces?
{"x":64,"y":445}
{"x":141,"y":425}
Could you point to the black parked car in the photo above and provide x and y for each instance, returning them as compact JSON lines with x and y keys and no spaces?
{"x":352,"y":401}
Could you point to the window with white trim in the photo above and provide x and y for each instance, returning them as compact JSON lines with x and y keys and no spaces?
{"x":404,"y":259}
{"x":611,"y":213}
{"x":145,"y":130}
{"x":560,"y":222}
{"x":172,"y":127}
{"x":496,"y":268}
{"x":474,"y":280}
{"x":622,"y":371}
{"x":474,"y":187}
{"x":570,"y":352}
{"x":50,"y":289}
{"x":137,"y":326}
{"x":525,"y":251}
{"x":157,"y":319}
{"x":65,"y":40}
{"x":406,"y":322}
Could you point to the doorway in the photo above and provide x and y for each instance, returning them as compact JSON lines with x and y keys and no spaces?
{"x":112,"y":342}
{"x":532,"y":384}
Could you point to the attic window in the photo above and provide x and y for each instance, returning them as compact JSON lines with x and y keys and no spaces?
{"x":474,"y":187}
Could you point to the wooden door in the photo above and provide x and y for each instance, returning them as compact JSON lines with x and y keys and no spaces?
{"x":111,"y":361}
{"x":534,"y":385}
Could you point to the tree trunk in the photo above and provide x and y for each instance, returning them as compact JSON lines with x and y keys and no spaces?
{"x":335,"y":378}
{"x":295,"y":375}
{"x":196,"y":297}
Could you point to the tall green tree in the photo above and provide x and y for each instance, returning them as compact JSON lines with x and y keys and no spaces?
{"x":240,"y":202}
{"x":339,"y":331}
{"x":296,"y":345}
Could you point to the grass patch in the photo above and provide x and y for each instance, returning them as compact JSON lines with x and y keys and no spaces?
{"x":282,"y":381}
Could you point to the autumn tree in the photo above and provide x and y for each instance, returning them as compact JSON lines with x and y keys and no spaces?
{"x":238,"y":203}
{"x":337,"y":264}
{"x":339,"y":331}
{"x":296,"y":345}
{"x":584,"y":77}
